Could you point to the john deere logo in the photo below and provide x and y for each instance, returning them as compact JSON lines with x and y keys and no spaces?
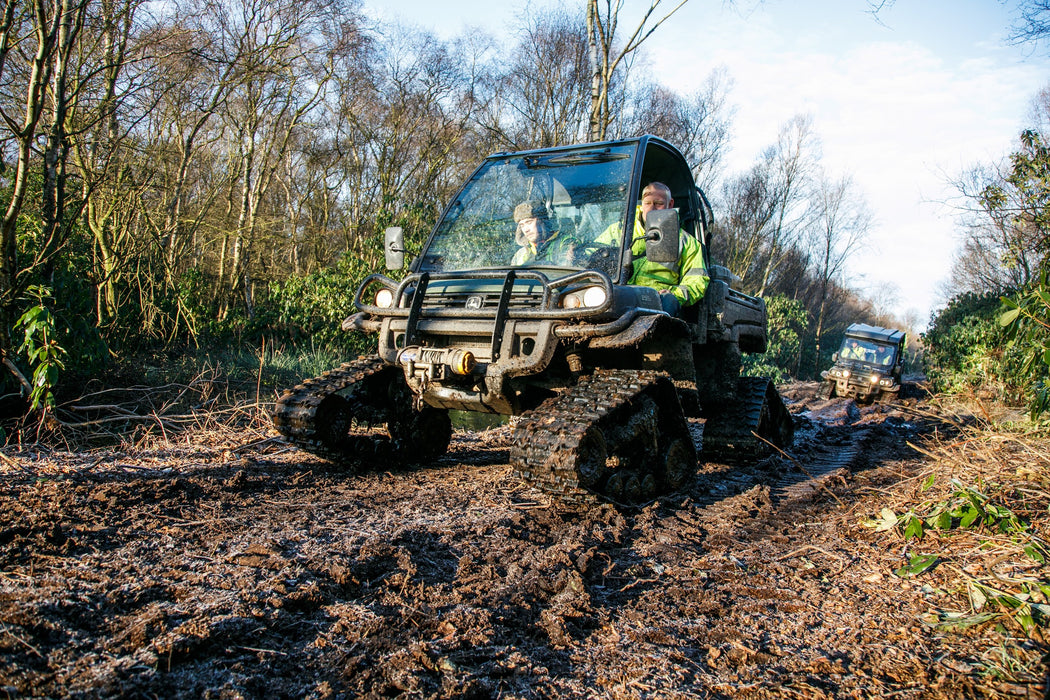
{"x":474,"y":302}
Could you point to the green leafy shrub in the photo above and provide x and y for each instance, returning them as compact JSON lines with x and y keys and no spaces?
{"x":788,"y":320}
{"x":1027,"y":324}
{"x":308,"y":309}
{"x":980,"y":512}
{"x":42,"y":349}
{"x":966,"y":350}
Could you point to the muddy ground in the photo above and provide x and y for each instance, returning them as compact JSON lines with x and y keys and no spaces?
{"x":227,"y":564}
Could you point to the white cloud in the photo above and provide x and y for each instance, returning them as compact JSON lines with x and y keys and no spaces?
{"x":898,"y":117}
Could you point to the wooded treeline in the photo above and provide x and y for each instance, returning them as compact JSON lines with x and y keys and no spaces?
{"x":202,"y":171}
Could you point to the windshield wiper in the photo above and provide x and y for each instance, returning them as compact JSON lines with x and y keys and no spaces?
{"x":585,"y":158}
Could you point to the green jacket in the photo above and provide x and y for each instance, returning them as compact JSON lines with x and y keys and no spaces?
{"x":687,"y":279}
{"x":559,"y":250}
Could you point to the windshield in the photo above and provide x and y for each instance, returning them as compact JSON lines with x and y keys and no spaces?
{"x":869,"y":351}
{"x":541,"y":210}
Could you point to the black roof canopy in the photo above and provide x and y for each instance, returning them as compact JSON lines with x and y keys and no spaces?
{"x":882,"y":335}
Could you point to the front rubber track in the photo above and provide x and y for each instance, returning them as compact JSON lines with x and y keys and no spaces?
{"x":618,"y":436}
{"x":362,"y":413}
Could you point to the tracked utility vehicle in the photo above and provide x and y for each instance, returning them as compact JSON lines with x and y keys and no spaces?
{"x":867,"y":366}
{"x":603,"y":379}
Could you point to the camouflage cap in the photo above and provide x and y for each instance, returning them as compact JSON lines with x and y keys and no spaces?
{"x":529,"y":210}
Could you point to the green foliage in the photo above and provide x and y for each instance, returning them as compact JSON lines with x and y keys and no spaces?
{"x":1021,"y":203}
{"x":973,"y":509}
{"x":788,"y":320}
{"x":310,"y":308}
{"x":62,"y":286}
{"x":40,"y":344}
{"x":1027,"y":204}
{"x":966,"y":508}
{"x":917,"y":564}
{"x":1027,"y":324}
{"x":966,"y":349}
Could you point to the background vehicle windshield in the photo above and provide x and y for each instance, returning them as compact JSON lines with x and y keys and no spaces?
{"x":583,"y":195}
{"x":867,"y":351}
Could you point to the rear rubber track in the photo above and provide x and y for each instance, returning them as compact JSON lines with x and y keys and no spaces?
{"x":750,"y":426}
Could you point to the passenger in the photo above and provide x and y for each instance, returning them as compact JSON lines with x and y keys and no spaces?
{"x":883,"y":356}
{"x":537,"y":239}
{"x":679,"y":284}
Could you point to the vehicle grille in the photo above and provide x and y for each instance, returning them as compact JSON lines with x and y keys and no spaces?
{"x":455,"y":299}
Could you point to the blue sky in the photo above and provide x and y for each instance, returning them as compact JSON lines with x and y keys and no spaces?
{"x":902,"y":103}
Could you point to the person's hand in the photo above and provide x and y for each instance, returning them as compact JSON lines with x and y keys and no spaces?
{"x":669,"y":302}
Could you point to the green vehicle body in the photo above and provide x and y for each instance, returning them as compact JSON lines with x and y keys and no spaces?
{"x":868,"y":365}
{"x":464,"y":330}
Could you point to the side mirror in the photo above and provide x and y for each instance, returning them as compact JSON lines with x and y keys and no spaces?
{"x":661,"y":236}
{"x":834,"y":357}
{"x":394,"y":247}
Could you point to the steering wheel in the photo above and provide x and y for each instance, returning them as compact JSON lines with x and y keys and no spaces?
{"x":600,"y":257}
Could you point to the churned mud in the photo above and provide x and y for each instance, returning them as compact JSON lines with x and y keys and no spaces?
{"x":229,"y":565}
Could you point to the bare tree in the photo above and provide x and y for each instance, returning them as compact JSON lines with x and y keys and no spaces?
{"x":541,"y":96}
{"x":791,"y":165}
{"x":40,"y":84}
{"x":749,"y":205}
{"x":698,"y":124}
{"x":606,"y":56}
{"x":842,"y":221}
{"x":284,"y":73}
{"x":114,"y":100}
{"x":405,"y":129}
{"x":1002,"y":234}
{"x":1033,"y":22}
{"x":43,"y":24}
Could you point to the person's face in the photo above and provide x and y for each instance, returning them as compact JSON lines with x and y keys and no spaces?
{"x":655,"y":199}
{"x":534,"y":229}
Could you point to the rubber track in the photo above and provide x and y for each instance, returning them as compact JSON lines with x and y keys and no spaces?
{"x":546,"y":441}
{"x":730,"y":433}
{"x":295,"y":415}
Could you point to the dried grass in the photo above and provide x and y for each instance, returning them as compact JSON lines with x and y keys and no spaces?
{"x":208,"y":409}
{"x":991,"y":575}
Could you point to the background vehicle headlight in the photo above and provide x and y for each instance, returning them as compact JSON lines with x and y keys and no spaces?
{"x":384,"y":298}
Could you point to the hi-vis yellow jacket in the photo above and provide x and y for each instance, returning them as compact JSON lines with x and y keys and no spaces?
{"x":687,"y":279}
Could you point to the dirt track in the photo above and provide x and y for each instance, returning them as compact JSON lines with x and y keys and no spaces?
{"x":246,"y":569}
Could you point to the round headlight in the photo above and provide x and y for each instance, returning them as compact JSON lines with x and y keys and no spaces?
{"x":874,"y":379}
{"x":587,"y":297}
{"x":384,"y":298}
{"x":845,"y":373}
{"x":594,"y":296}
{"x":571,"y":301}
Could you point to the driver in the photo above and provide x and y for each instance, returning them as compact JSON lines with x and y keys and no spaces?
{"x":680,"y":284}
{"x":537,"y":239}
{"x":852,"y":351}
